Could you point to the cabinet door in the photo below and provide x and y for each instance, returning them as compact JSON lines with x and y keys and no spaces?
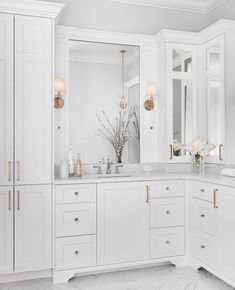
{"x":6,"y":98}
{"x":226,"y":209}
{"x":123,"y":223}
{"x":33,"y":100}
{"x":32,"y":228}
{"x":6,"y":230}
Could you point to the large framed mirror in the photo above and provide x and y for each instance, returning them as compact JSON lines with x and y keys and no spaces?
{"x":104,"y":101}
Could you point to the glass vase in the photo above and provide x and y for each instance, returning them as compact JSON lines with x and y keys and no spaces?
{"x":198,"y":164}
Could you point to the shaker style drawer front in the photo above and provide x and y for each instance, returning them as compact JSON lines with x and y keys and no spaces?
{"x":75,"y":219}
{"x":167,"y":212}
{"x":203,"y":191}
{"x":75,"y":193}
{"x":205,"y":216}
{"x":167,"y":242}
{"x":205,"y":248}
{"x":75,"y":252}
{"x":167,"y":188}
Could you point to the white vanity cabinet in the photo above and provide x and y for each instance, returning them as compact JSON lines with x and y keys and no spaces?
{"x":6,"y":229}
{"x":123,"y":222}
{"x":213,"y":228}
{"x":6,"y":99}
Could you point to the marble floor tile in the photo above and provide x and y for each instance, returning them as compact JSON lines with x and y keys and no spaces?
{"x":158,"y":278}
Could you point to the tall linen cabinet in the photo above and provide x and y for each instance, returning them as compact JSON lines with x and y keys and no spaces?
{"x":26,"y":98}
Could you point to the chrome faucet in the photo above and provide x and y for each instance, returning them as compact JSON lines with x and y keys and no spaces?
{"x":108,"y":168}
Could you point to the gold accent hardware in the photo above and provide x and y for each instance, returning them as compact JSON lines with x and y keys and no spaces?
{"x":9,"y":170}
{"x":214,"y":198}
{"x":9,"y":200}
{"x":147,"y":190}
{"x":171,"y":152}
{"x":149,"y":104}
{"x":18,"y":199}
{"x":18,"y":170}
{"x":220,"y":152}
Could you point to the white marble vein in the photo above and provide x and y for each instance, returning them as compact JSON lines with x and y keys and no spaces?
{"x":158,"y":278}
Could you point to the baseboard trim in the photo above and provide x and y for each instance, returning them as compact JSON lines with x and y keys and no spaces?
{"x":15,"y":277}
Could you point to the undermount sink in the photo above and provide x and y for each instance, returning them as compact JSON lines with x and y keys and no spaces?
{"x":113,"y":175}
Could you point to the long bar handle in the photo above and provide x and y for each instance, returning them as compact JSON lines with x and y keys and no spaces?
{"x":214,"y":198}
{"x":9,"y":200}
{"x":220,"y":152}
{"x":147,"y":192}
{"x":9,"y":170}
{"x":171,"y":152}
{"x":18,"y":170}
{"x":18,"y":200}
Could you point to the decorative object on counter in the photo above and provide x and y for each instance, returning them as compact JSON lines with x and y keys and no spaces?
{"x":123,"y":101}
{"x":199,"y":150}
{"x":117,"y":133}
{"x":151,"y":92}
{"x":177,"y":148}
{"x":78,"y":166}
{"x":108,"y":168}
{"x":64,"y":169}
{"x":59,"y":88}
{"x":71,"y":161}
{"x":136,"y":122}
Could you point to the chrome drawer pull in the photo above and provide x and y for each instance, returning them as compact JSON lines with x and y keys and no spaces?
{"x":9,"y":170}
{"x":147,"y":192}
{"x":202,"y":190}
{"x":18,"y":170}
{"x":202,"y":247}
{"x":214,"y":198}
{"x":202,"y":215}
{"x":9,"y":200}
{"x":18,"y":200}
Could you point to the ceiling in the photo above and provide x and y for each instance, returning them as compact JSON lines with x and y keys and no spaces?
{"x":201,"y":6}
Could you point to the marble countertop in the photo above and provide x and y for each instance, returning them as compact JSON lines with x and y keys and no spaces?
{"x":155,"y":175}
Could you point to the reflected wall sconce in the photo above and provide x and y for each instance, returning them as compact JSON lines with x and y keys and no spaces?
{"x":59,"y":90}
{"x":151,"y":92}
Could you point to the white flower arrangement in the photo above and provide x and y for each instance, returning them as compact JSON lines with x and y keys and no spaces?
{"x":177,"y":147}
{"x":199,"y":148}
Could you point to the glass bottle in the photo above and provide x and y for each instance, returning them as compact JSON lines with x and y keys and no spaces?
{"x":78,"y":166}
{"x":71,"y":161}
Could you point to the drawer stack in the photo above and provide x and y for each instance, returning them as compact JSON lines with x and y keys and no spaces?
{"x":205,"y":223}
{"x":167,"y":218}
{"x":75,"y":226}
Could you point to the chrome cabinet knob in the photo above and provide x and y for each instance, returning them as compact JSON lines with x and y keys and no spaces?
{"x":202,"y":247}
{"x":202,"y":215}
{"x":168,"y":242}
{"x":76,"y":252}
{"x":202,"y":190}
{"x":76,"y":193}
{"x":168,"y":212}
{"x":76,"y":219}
{"x":167,"y":188}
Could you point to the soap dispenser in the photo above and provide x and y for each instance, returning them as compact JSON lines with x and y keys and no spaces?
{"x":78,"y":166}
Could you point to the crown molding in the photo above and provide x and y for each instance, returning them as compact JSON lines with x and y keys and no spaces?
{"x":31,"y":7}
{"x":184,"y":5}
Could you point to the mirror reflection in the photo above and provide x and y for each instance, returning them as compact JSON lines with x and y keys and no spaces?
{"x":213,"y":57}
{"x":182,"y":60}
{"x":182,"y":115}
{"x":104,"y":102}
{"x":214,"y":114}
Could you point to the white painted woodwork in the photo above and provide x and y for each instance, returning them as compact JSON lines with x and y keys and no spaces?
{"x":33,"y":100}
{"x":202,"y":190}
{"x":205,"y":216}
{"x":76,"y":193}
{"x":167,"y":212}
{"x":123,"y":222}
{"x":33,"y":228}
{"x":75,"y":219}
{"x":75,"y":252}
{"x":226,"y":205}
{"x":6,"y":99}
{"x":205,"y":248}
{"x":169,"y":188}
{"x":6,"y":230}
{"x":167,"y":242}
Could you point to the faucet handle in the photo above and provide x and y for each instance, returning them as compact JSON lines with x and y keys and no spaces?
{"x":99,"y":169}
{"x":117,"y":168}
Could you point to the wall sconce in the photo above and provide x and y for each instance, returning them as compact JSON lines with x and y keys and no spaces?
{"x":151,"y":92}
{"x":59,"y":88}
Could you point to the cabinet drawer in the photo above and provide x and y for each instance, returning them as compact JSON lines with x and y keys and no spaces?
{"x":167,"y":242}
{"x":205,"y":216}
{"x":166,"y":212}
{"x":205,"y":248}
{"x":75,"y":193}
{"x":75,"y":219}
{"x":167,"y":188}
{"x":203,"y":191}
{"x":75,"y":252}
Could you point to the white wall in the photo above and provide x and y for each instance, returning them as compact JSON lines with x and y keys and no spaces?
{"x":112,"y":16}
